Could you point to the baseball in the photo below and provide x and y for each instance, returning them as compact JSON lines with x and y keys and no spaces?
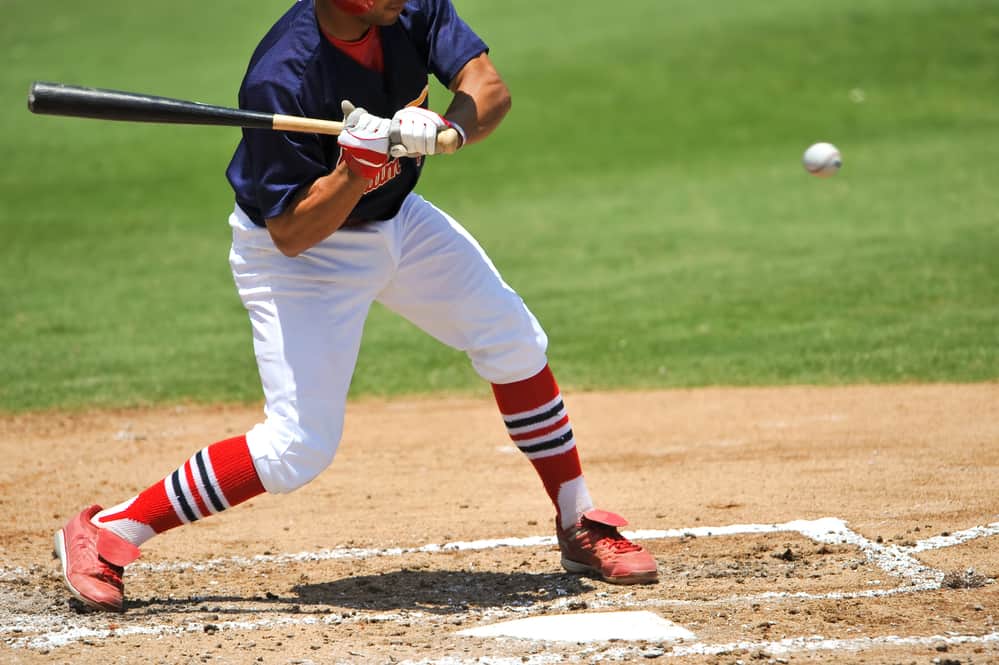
{"x":822,"y":160}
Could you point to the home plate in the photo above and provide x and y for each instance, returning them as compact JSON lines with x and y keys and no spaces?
{"x":587,"y":627}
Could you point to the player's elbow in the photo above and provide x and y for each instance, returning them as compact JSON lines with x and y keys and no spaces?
{"x":504,"y":102}
{"x":284,"y":238}
{"x":289,"y":250}
{"x":494,"y":95}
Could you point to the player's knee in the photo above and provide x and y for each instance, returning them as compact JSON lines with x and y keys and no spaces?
{"x":287,"y":457}
{"x":514,"y":356}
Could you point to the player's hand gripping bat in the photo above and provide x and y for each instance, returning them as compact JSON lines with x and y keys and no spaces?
{"x":81,"y":102}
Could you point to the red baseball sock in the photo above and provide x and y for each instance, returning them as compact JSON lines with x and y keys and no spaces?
{"x":215,"y":478}
{"x":537,"y":421}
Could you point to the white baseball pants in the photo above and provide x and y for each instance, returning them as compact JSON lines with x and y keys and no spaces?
{"x":308,"y":313}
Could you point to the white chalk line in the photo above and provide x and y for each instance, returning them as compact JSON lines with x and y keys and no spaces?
{"x":893,"y":559}
{"x":956,"y":538}
{"x":749,"y":599}
{"x":775,"y":648}
{"x":818,"y":643}
{"x":12,"y":574}
{"x":828,"y":530}
{"x":64,"y":632}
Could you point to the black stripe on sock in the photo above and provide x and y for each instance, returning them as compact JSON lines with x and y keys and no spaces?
{"x":179,"y":493}
{"x":547,"y":445}
{"x":531,"y":420}
{"x":207,"y":482}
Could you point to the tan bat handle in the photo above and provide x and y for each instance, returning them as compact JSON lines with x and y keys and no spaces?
{"x":448,"y":140}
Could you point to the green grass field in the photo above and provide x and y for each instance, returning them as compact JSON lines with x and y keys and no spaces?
{"x":645,"y":196}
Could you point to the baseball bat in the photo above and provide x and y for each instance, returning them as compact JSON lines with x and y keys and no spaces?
{"x":81,"y":102}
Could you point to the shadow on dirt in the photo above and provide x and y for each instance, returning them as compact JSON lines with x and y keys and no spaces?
{"x":437,"y":592}
{"x":441,"y":591}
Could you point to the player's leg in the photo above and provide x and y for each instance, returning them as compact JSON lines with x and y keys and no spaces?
{"x":446,"y":285}
{"x":96,"y":545}
{"x":307,"y":317}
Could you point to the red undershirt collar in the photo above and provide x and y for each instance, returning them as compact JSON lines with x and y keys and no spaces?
{"x":366,"y":51}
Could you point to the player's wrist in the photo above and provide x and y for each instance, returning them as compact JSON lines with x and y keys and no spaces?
{"x":463,"y":137}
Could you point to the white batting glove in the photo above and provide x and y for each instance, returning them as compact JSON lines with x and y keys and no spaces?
{"x":364,"y":140}
{"x":357,"y":118}
{"x":414,"y":131}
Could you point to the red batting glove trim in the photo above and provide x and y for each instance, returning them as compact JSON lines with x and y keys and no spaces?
{"x":357,"y":167}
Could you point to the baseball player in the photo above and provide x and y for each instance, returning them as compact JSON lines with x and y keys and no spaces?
{"x":322,"y":228}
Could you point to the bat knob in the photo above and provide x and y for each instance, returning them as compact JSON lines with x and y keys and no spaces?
{"x":31,"y":96}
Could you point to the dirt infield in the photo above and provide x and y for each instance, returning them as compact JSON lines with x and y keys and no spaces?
{"x":847,"y":525}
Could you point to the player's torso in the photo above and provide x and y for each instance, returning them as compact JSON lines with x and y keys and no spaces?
{"x":297,"y":57}
{"x":403,"y":83}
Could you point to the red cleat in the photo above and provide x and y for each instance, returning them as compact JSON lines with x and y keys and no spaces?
{"x":93,"y":561}
{"x":594,"y":546}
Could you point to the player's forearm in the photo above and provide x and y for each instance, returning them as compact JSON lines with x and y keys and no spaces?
{"x":481,"y":99}
{"x":318,"y":211}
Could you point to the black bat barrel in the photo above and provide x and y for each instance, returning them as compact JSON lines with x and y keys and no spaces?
{"x":81,"y":102}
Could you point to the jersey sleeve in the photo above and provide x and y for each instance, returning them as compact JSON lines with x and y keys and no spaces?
{"x":280,"y":163}
{"x":451,"y":42}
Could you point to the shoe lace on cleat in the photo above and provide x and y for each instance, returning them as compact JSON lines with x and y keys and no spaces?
{"x":613,"y":539}
{"x":622,"y":545}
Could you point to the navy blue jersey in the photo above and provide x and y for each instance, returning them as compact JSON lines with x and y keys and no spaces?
{"x":296,"y":71}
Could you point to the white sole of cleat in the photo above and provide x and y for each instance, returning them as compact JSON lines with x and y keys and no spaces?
{"x":583,"y":569}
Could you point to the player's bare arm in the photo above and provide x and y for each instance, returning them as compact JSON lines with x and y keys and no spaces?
{"x":481,"y":99}
{"x":323,"y":206}
{"x":317,"y":211}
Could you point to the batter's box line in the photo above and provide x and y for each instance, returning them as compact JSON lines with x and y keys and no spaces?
{"x":57,"y":632}
{"x":830,"y":531}
{"x":895,"y":560}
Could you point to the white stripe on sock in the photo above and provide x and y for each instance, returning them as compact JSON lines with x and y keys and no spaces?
{"x":548,"y":436}
{"x":188,"y":494}
{"x":214,"y":480}
{"x":174,"y":503}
